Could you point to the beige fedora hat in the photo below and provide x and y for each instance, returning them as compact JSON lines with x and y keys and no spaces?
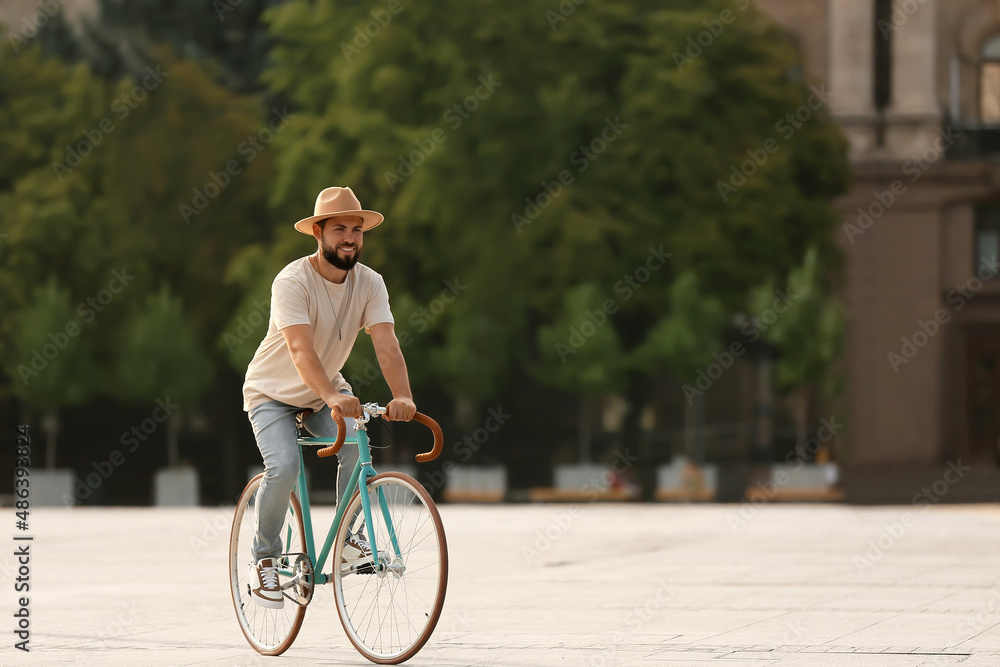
{"x":335,"y":202}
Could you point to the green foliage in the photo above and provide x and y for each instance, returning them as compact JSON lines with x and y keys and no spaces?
{"x":459,"y":129}
{"x":49,"y":362}
{"x":577,"y":362}
{"x":84,"y":203}
{"x":685,"y":340}
{"x":540,"y":163}
{"x":250,"y":270}
{"x":809,"y":333}
{"x":160,"y":355}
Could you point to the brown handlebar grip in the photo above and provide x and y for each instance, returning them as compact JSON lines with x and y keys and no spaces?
{"x":438,"y":438}
{"x":341,"y":434}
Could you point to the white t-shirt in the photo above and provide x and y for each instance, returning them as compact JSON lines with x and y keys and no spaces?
{"x":299,"y":295}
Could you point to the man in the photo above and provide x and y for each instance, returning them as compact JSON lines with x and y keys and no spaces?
{"x":319,"y":304}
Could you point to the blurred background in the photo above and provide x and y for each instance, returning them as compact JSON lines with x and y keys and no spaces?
{"x":676,"y":250}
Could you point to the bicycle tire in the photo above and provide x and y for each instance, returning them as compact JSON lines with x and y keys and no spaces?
{"x":268,"y":631}
{"x":352,"y":589}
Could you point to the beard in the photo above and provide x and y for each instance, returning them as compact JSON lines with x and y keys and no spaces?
{"x":344,"y":264}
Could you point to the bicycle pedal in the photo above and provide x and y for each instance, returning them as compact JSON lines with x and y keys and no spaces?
{"x":363,"y":568}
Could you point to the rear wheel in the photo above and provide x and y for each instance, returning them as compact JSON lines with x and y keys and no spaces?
{"x":389,"y":609}
{"x":269,"y":631}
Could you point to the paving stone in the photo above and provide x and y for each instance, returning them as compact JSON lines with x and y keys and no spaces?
{"x":616,"y":584}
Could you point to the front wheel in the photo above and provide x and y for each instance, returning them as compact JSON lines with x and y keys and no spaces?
{"x":269,"y":631}
{"x":389,"y":609}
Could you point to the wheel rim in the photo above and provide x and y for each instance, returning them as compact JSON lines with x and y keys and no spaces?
{"x":389,"y":615}
{"x":269,"y":631}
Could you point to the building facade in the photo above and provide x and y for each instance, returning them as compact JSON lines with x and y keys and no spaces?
{"x":915,"y":84}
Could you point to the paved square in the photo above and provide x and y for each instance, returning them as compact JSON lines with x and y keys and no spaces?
{"x":583,"y":584}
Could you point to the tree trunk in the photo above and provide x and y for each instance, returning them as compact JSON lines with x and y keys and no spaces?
{"x":50,"y":426}
{"x":173,"y":429}
{"x":689,"y":428}
{"x":699,"y":431}
{"x":634,"y":444}
{"x":585,"y":434}
{"x":765,"y":409}
{"x":801,"y":399}
{"x":466,"y":414}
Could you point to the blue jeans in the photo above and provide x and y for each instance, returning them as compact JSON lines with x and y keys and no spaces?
{"x":273,"y":425}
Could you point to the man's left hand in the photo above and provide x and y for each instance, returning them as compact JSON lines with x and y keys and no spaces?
{"x":400,"y":410}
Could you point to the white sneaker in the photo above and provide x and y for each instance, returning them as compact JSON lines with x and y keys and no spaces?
{"x":264,"y":587}
{"x":356,"y":550}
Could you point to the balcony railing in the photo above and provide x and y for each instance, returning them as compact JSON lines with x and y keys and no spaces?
{"x":974,"y":141}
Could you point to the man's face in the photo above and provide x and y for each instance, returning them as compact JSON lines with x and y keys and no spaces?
{"x":341,"y":240}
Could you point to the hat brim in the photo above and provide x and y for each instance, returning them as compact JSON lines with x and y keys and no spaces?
{"x":370,"y":220}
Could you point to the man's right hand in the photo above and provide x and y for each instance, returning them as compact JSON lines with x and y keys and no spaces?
{"x":348,"y":406}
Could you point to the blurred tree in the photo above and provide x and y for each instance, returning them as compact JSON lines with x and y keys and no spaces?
{"x":527,"y":152}
{"x":118,"y":188}
{"x":251,"y":270}
{"x":41,"y":98}
{"x":582,"y":356}
{"x":807,"y":335}
{"x":686,"y":342}
{"x":160,"y":358}
{"x":49,"y":364}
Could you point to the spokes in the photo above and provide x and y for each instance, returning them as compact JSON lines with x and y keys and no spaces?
{"x":269,"y":631}
{"x":390,"y":614}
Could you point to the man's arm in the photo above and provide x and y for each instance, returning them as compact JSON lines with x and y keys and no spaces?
{"x":390,"y":358}
{"x":299,"y":338}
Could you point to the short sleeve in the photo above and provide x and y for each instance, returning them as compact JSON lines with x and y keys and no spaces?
{"x":377,"y":305}
{"x":289,"y":303}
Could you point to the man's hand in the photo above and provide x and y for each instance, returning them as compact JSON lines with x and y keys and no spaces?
{"x":400,"y":410}
{"x":349,"y":406}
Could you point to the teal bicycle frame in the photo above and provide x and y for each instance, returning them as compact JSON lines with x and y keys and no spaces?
{"x":363,"y":469}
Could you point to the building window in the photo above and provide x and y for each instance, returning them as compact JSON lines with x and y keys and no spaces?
{"x":989,"y":82}
{"x":987,"y":235}
{"x":882,"y":79}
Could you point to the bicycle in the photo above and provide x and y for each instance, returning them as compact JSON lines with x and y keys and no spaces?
{"x":388,"y":601}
